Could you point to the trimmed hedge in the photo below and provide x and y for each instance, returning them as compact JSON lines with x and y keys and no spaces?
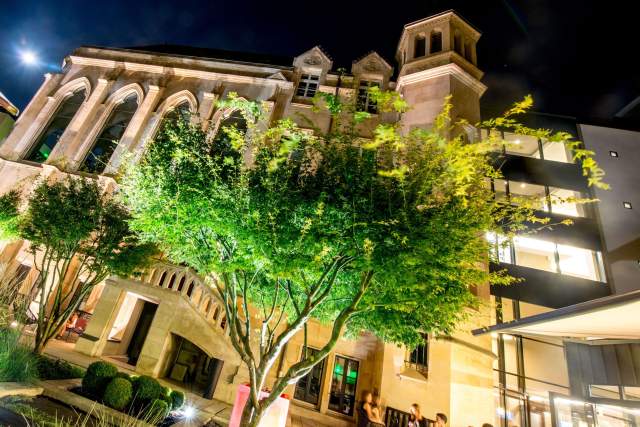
{"x":98,"y":376}
{"x":50,"y":369}
{"x":156,"y":411}
{"x":177,"y":399}
{"x":118,"y":393}
{"x":147,"y":389}
{"x":125,"y":376}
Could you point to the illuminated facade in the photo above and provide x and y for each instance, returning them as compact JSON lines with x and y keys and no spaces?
{"x":107,"y":102}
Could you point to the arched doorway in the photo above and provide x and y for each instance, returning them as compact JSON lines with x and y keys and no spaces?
{"x":191,"y":368}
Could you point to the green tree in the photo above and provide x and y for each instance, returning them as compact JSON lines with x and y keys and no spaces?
{"x":78,"y":235}
{"x":382,"y":234}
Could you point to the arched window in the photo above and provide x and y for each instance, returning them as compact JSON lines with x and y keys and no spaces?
{"x":161,"y":282}
{"x":222,"y":142}
{"x":107,"y":141}
{"x":436,"y":41}
{"x":181,"y":110}
{"x":54,"y":130}
{"x":420,"y":46}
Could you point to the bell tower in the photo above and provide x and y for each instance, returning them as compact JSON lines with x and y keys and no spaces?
{"x":437,"y":57}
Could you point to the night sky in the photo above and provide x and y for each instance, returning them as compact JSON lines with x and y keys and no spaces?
{"x":577,"y":58}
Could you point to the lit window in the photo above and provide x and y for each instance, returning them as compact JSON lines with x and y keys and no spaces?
{"x":500,"y":247}
{"x":556,"y":151}
{"x":364,"y":102}
{"x":308,"y":85}
{"x":532,"y":193}
{"x":49,"y":138}
{"x":106,"y":143}
{"x":613,"y":153}
{"x":579,"y":262}
{"x":627,"y":205}
{"x":534,"y":253}
{"x":563,"y":202}
{"x":521,"y":145}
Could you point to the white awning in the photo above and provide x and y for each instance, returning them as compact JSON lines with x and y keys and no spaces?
{"x":612,"y":317}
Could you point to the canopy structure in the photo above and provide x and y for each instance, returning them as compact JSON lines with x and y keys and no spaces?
{"x":611,"y":317}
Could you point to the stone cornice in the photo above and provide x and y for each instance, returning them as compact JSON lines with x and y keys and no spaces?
{"x":178,"y":71}
{"x":443,"y":70}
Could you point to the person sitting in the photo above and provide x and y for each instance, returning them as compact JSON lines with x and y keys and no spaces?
{"x":367,"y":417}
{"x":441,"y":420}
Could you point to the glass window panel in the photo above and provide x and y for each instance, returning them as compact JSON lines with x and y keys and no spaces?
{"x":535,"y":253}
{"x":579,"y":262}
{"x":49,"y":138}
{"x":108,"y":140}
{"x":521,"y":145}
{"x":561,"y":202}
{"x":604,"y":391}
{"x":531,"y":192}
{"x":501,"y":245}
{"x":500,"y":188}
{"x":557,"y":152}
{"x":632,"y":393}
{"x":344,"y":381}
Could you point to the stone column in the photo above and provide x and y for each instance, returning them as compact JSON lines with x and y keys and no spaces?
{"x":71,"y":139}
{"x":94,"y":338}
{"x":27,"y":123}
{"x":207,"y":105}
{"x":130,"y":139}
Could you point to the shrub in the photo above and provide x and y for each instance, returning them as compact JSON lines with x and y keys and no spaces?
{"x":118,"y":393}
{"x":147,"y":389}
{"x":177,"y":399}
{"x":125,"y":376}
{"x":50,"y":369}
{"x":17,"y":362}
{"x":156,"y":411}
{"x":98,"y":375}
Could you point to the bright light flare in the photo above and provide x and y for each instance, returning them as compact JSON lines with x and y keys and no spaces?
{"x":28,"y":57}
{"x":189,"y":412}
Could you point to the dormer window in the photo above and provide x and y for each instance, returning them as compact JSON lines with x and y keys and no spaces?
{"x":364,"y":101}
{"x":436,"y":42}
{"x":308,"y":85}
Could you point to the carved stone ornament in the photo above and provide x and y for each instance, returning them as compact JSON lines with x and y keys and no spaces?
{"x":371,"y":65}
{"x":313,"y":60}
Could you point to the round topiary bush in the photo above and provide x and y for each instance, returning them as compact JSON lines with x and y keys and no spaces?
{"x":147,"y":389}
{"x":177,"y":399}
{"x":98,"y":375}
{"x":118,"y":393}
{"x":125,"y":376}
{"x":156,"y":411}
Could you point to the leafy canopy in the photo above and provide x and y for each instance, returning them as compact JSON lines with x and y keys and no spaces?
{"x":281,"y":205}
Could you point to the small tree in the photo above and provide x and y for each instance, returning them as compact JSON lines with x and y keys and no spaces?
{"x":384,"y":234}
{"x":78,"y":236}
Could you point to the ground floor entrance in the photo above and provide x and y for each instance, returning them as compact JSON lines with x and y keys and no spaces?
{"x":192,"y":368}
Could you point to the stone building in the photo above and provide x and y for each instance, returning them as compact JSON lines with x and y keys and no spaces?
{"x":107,"y":102}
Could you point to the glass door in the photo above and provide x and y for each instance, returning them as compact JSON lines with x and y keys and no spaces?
{"x":343,"y":385}
{"x":308,"y":387}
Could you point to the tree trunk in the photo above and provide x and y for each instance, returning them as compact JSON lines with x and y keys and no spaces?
{"x":251,"y":417}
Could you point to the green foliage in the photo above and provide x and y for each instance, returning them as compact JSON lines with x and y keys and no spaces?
{"x":17,"y":362}
{"x":147,"y":389}
{"x":118,"y":393}
{"x":9,"y":215}
{"x":72,"y":219}
{"x":383,"y":234}
{"x":125,"y":376}
{"x":157,"y":411}
{"x":98,"y":376}
{"x":177,"y":399}
{"x":50,"y":369}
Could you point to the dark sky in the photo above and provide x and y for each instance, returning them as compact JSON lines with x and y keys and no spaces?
{"x":576,"y":57}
